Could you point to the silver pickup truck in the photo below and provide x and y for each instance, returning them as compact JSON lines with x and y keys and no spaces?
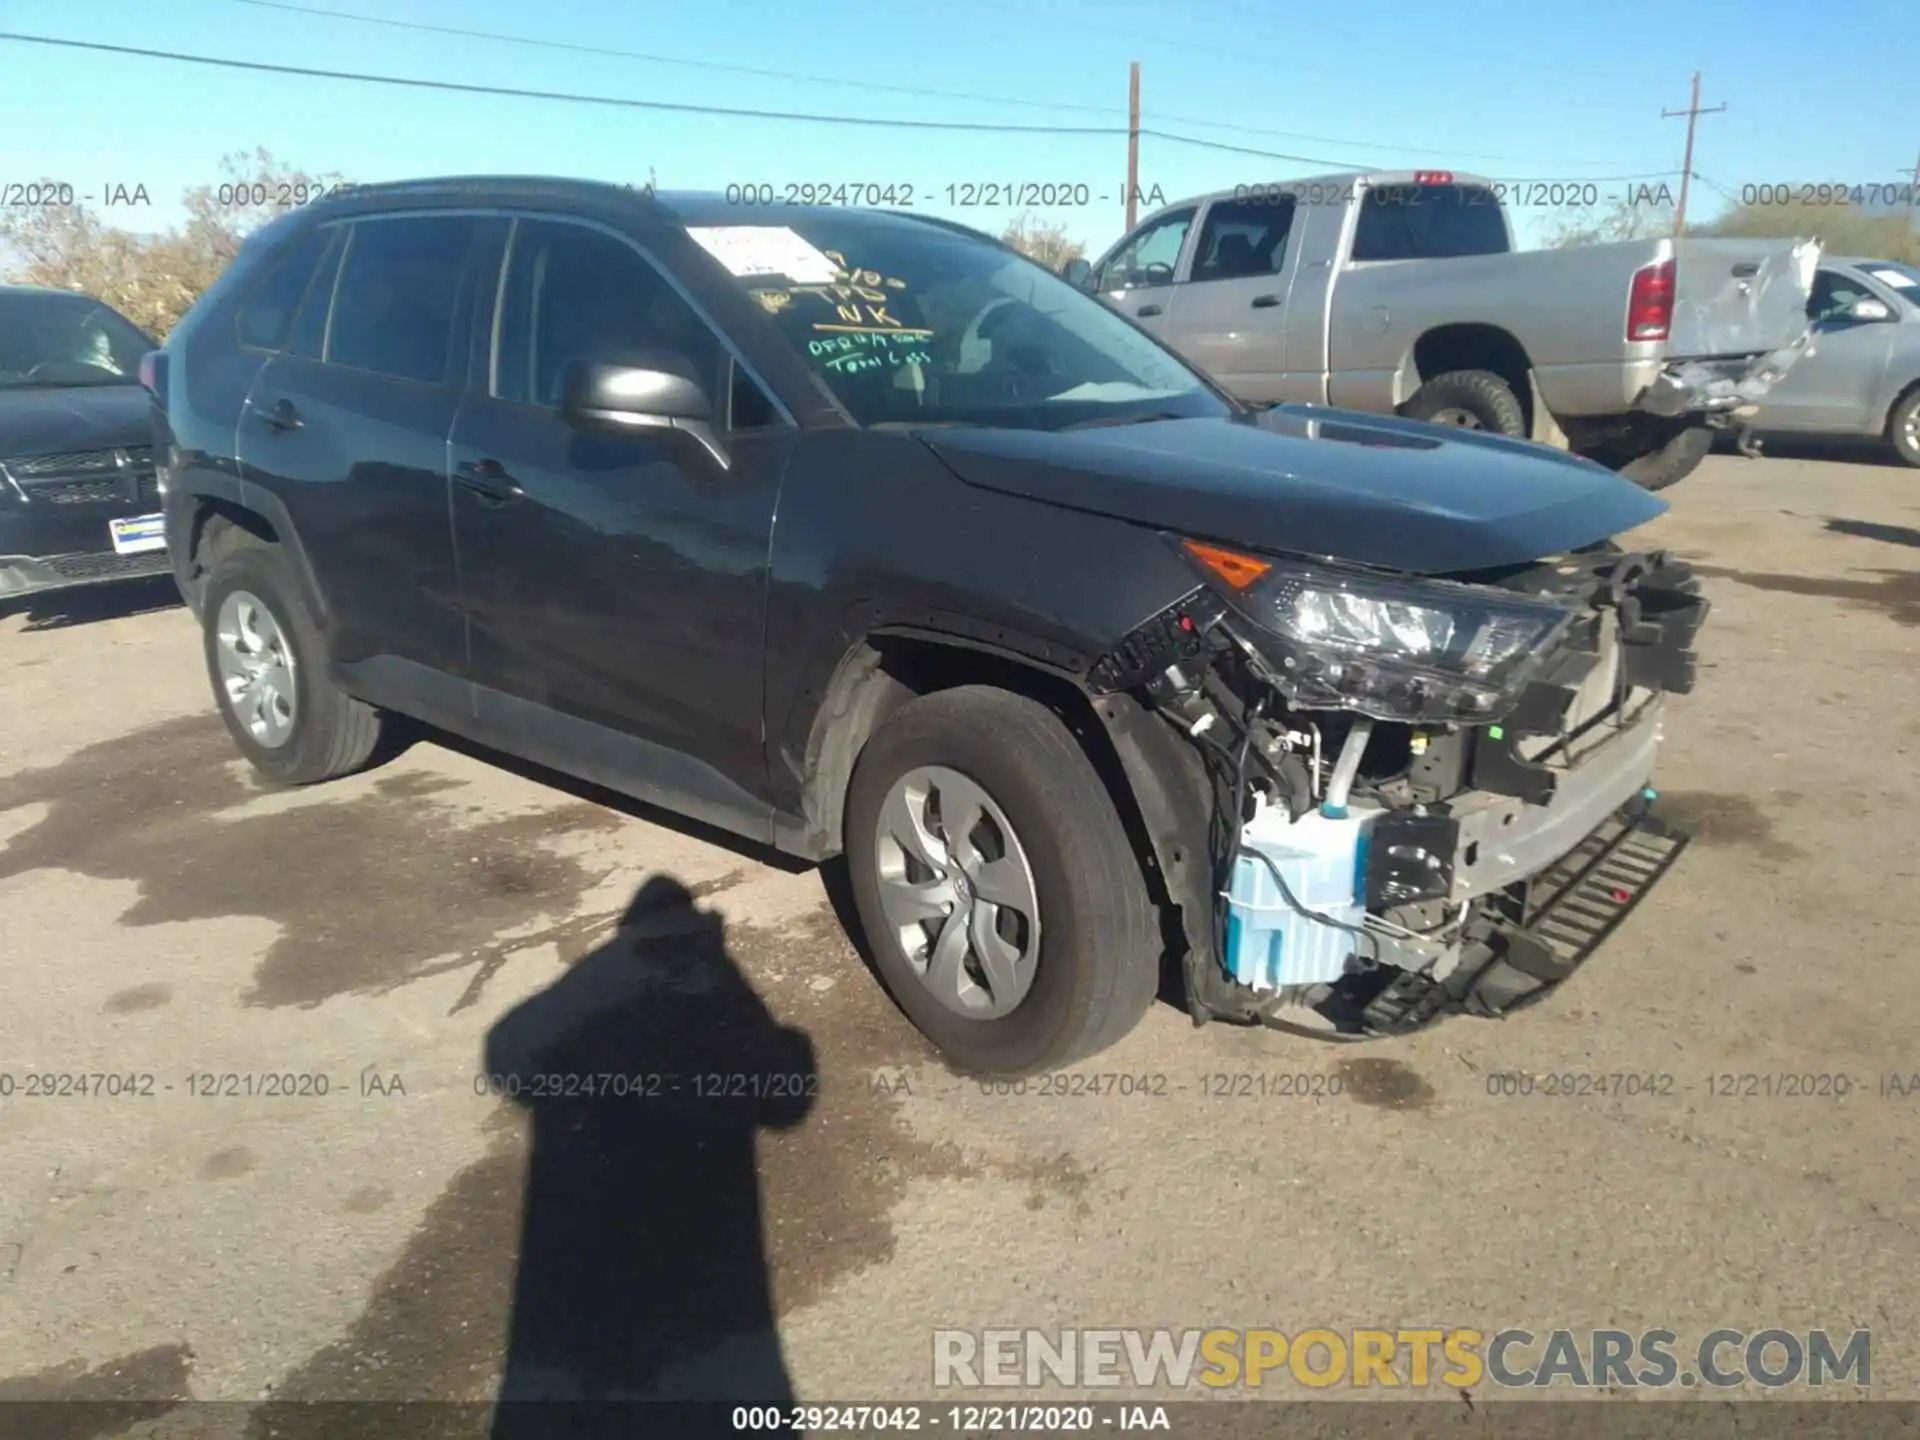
{"x":1401,"y":292}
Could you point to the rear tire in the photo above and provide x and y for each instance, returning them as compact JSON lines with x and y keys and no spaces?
{"x":1095,"y":962}
{"x":254,"y":618}
{"x":1471,"y":400}
{"x":1670,"y":462}
{"x":1903,"y":427}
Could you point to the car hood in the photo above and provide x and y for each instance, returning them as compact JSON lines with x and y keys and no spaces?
{"x":1305,"y":480}
{"x":76,"y":417}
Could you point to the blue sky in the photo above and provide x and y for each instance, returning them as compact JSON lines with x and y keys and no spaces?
{"x":1549,"y":90}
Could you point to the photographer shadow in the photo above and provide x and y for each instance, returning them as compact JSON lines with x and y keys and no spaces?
{"x":648,"y":1069}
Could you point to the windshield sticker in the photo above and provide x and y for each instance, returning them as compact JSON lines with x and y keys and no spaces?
{"x":771,"y":250}
{"x":850,"y":353}
{"x":1896,"y":278}
{"x":857,"y":301}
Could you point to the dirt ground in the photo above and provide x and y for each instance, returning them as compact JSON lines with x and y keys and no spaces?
{"x":397,"y":938}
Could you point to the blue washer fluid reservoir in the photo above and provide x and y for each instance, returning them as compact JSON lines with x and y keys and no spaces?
{"x":1271,"y":945}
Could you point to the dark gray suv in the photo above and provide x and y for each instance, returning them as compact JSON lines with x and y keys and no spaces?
{"x":860,"y":535}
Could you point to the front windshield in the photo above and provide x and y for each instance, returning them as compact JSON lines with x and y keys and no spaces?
{"x":910,"y":323}
{"x":1903,"y":280}
{"x":51,"y":339}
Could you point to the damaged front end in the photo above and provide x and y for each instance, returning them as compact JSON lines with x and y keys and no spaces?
{"x":1423,"y":797}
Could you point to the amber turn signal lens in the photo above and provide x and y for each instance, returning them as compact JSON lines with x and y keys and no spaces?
{"x":1239,"y":571}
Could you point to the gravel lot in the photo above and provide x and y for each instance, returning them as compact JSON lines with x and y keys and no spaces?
{"x":404,"y":933}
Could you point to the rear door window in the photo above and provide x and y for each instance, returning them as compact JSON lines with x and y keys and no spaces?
{"x":1241,"y":239}
{"x":399,"y":287}
{"x":1429,"y":222}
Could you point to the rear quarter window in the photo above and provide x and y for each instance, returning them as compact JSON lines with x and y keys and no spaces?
{"x":269,"y":304}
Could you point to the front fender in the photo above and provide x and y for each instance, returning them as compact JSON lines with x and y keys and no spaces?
{"x":878,"y":539}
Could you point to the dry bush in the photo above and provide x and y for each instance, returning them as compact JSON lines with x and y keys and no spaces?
{"x":1049,"y":245}
{"x":1623,"y":220}
{"x":152,"y":279}
{"x":1879,"y":233}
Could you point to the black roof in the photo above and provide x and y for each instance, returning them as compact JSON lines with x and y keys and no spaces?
{"x":684,"y":207}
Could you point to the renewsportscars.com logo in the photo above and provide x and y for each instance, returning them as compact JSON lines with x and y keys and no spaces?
{"x":1464,"y":1359}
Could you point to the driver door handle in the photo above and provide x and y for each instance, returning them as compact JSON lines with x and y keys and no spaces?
{"x":1146,"y":311}
{"x":281,"y":415}
{"x":488,"y":479}
{"x":1265,"y":302}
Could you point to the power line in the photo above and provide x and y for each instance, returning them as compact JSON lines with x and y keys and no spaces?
{"x":879,"y":86}
{"x":536,"y":42}
{"x":730,"y":112}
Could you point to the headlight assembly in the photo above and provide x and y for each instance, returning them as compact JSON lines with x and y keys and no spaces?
{"x":1410,"y":650}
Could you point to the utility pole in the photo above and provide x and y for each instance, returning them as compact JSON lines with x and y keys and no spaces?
{"x":1913,"y":199}
{"x":1693,"y":112}
{"x":1133,"y":143}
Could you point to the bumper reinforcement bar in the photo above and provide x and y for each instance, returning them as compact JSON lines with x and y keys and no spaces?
{"x":1538,"y":931}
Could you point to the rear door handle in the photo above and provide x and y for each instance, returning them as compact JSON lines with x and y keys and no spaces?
{"x":1265,"y":302}
{"x":281,"y":415}
{"x":1147,"y":310}
{"x":488,"y":479}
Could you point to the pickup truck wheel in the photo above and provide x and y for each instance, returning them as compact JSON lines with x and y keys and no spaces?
{"x":1903,"y":427}
{"x":268,"y":667}
{"x":1670,"y":462}
{"x":1470,"y":399}
{"x":1004,"y":907}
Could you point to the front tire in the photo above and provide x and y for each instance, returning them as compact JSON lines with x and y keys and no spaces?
{"x":268,"y":666}
{"x":1002,"y":903}
{"x":1903,"y":427}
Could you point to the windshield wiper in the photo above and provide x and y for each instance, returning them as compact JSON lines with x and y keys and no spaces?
{"x":1139,"y":417}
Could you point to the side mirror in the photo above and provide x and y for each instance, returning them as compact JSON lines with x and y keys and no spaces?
{"x":1078,"y":273}
{"x":1867,"y":309}
{"x":662,"y":394}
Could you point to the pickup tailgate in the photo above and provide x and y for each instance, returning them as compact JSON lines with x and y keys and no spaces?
{"x":1739,"y":297}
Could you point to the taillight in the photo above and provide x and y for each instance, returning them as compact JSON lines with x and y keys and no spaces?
{"x":150,"y":370}
{"x":1650,"y":302}
{"x":1433,"y":177}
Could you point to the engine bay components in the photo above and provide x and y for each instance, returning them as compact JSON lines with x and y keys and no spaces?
{"x":1398,"y":763}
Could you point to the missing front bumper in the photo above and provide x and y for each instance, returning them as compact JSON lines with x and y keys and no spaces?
{"x":1534,"y":934}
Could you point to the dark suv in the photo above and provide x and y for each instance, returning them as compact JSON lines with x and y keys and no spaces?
{"x":79,"y":500}
{"x":858,"y":534}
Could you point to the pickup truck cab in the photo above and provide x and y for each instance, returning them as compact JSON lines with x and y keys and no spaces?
{"x":1401,"y":292}
{"x":861,"y":536}
{"x":1863,"y":377}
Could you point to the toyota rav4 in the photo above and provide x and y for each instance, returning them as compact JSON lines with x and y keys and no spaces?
{"x":859,"y":535}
